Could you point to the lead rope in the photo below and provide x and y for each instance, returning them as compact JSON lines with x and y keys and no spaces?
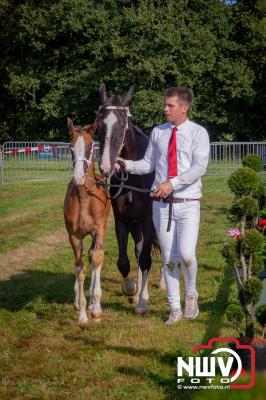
{"x":121,"y":186}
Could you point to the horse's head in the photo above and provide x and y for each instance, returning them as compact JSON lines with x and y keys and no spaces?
{"x":81,"y":146}
{"x":112,"y":126}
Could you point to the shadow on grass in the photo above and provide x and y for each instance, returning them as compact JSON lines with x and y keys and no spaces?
{"x":21,"y":289}
{"x":216,"y":308}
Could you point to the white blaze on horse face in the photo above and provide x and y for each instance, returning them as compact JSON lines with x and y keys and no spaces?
{"x":79,"y":154}
{"x":109,"y":121}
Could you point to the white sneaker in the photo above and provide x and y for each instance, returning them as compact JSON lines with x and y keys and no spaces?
{"x":175,"y":316}
{"x":191,"y":310}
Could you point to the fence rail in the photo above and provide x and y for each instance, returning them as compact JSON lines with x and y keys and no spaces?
{"x":53,"y":159}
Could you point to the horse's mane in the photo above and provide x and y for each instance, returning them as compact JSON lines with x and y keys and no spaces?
{"x":140,"y":139}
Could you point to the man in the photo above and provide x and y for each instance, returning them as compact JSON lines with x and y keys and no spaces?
{"x":178,"y":152}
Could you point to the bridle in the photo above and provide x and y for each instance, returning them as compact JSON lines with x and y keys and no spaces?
{"x":128,"y":115}
{"x":87,"y":161}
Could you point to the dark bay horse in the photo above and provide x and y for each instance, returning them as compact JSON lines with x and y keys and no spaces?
{"x":132,"y":210}
{"x":86,"y":210}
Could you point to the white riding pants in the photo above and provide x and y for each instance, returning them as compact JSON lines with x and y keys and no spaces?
{"x":179,"y":242}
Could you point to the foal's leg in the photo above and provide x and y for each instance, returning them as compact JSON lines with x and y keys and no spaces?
{"x":129,"y":287}
{"x":96,"y":257}
{"x":162,"y":285}
{"x":80,"y":270}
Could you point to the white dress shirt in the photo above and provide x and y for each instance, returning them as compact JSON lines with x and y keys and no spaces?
{"x":193,"y":148}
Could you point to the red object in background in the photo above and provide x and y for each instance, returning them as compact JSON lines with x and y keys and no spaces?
{"x":262,"y":222}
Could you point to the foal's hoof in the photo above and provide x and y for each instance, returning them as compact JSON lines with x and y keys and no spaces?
{"x":129,"y":287}
{"x":83,"y":323}
{"x":76,"y":308}
{"x":162,"y":286}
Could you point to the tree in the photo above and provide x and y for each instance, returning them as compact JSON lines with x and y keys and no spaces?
{"x":56,"y":53}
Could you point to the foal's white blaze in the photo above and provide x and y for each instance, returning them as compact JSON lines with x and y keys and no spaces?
{"x":109,"y":121}
{"x":79,"y":154}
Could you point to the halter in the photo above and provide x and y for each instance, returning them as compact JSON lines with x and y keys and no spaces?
{"x":84,"y":159}
{"x":128,"y":115}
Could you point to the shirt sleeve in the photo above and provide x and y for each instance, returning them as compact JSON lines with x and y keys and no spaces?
{"x":200,"y":158}
{"x":147,"y":163}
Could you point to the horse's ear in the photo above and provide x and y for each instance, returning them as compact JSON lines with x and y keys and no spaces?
{"x":102,"y":93}
{"x":127,"y":99}
{"x":70,"y":125}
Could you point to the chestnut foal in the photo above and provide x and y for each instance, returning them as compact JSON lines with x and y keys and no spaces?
{"x":86,"y":210}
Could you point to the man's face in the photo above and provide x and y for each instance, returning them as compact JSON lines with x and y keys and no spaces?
{"x":175,"y":111}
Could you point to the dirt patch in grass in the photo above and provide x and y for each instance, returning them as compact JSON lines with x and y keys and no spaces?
{"x":28,"y":255}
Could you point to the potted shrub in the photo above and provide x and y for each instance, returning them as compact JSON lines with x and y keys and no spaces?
{"x":243,"y":249}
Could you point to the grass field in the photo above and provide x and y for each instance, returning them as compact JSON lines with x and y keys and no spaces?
{"x":45,"y":355}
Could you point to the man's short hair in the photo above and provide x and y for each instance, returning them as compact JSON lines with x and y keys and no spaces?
{"x":181,"y":92}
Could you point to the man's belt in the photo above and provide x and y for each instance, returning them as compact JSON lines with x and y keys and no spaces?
{"x":170,"y":199}
{"x":173,"y":200}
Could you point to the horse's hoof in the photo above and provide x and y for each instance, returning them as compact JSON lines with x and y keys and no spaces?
{"x":141,"y":309}
{"x":90,"y":309}
{"x":97,"y":317}
{"x":129,"y":287}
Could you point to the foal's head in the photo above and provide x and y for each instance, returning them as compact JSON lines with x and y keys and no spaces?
{"x":112,"y":126}
{"x":81,"y":146}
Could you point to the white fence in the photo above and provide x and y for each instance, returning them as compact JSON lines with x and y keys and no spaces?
{"x":22,"y":160}
{"x":225,"y":157}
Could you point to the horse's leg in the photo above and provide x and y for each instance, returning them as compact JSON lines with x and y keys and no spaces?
{"x":96,"y":257}
{"x":143,"y":253}
{"x":129,"y":287}
{"x":136,"y":233}
{"x":80,"y":270}
{"x":145,"y":265}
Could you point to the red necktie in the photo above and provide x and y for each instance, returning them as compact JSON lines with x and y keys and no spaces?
{"x":172,"y":156}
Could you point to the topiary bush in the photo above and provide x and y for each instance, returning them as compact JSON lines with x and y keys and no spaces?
{"x":244,"y":250}
{"x":235,"y":316}
{"x":253,"y":161}
{"x":251,"y":290}
{"x":243,"y":181}
{"x":260,"y":315}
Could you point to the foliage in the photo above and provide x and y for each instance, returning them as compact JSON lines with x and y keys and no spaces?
{"x":234,"y":315}
{"x":55,"y":54}
{"x":252,"y":242}
{"x":244,"y":251}
{"x":243,"y":181}
{"x":257,"y":264}
{"x":251,"y":290}
{"x":247,"y":205}
{"x":260,"y":315}
{"x":253,"y":161}
{"x":230,"y":251}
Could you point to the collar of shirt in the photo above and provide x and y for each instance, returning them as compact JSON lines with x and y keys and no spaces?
{"x":181,"y":127}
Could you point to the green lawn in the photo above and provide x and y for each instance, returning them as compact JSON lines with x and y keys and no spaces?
{"x":43,"y":352}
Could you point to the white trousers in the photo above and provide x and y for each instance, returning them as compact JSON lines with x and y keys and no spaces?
{"x":179,"y":242}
